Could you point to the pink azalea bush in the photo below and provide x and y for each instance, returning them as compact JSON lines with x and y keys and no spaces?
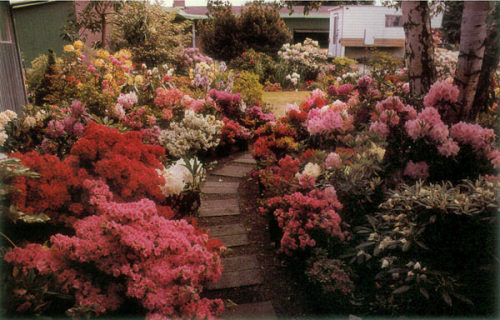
{"x":159,"y":262}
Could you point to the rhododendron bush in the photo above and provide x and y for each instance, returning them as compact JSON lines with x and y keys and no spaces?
{"x":364,"y":188}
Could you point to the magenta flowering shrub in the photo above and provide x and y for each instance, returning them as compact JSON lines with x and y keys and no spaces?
{"x":443,"y":96}
{"x":306,"y":219}
{"x":136,"y":253}
{"x":228,"y":103}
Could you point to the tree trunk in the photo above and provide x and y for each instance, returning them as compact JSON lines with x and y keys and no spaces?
{"x":419,"y":50}
{"x":103,"y":30}
{"x":484,"y":94}
{"x":470,"y":60}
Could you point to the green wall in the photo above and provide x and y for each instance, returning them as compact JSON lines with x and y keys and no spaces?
{"x":39,"y":28}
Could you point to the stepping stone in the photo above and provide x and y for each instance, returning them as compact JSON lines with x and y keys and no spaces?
{"x":214,"y":187}
{"x":250,"y":311}
{"x":245,"y":159}
{"x":219,"y":208}
{"x":240,"y":263}
{"x":231,"y":235}
{"x":236,"y":279}
{"x":232,"y":170}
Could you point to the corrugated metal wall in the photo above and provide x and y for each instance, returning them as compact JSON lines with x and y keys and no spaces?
{"x":12,"y":90}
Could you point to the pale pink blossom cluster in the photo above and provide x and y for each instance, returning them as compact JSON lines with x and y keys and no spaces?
{"x":389,"y":113}
{"x":329,"y":119}
{"x":418,"y":170}
{"x":333,"y":161}
{"x":428,"y":124}
{"x":494,"y":157}
{"x":479,"y":138}
{"x":441,"y":94}
{"x":127,"y":100}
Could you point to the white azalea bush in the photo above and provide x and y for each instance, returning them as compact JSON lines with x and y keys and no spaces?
{"x":305,"y":59}
{"x":195,"y":133}
{"x":5,"y":117}
{"x":446,"y":62}
{"x":184,"y":174}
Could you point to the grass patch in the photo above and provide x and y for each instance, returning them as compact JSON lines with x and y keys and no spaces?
{"x":278,"y":100}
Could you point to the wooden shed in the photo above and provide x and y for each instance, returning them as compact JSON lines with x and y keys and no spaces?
{"x":12,"y":89}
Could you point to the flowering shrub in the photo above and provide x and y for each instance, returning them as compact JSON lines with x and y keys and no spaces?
{"x":258,"y":63}
{"x":5,"y":117}
{"x":445,"y":61}
{"x":302,"y":216}
{"x":195,"y":133}
{"x":190,"y":57}
{"x":247,"y":84}
{"x":178,"y":177}
{"x":161,"y":263}
{"x":211,"y":76}
{"x":233,"y":133}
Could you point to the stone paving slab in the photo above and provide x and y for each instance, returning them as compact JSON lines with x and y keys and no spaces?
{"x":234,"y":240}
{"x":212,"y":187}
{"x":219,"y":208}
{"x":232,"y":170}
{"x":239,"y":263}
{"x":250,"y":311}
{"x":226,"y":230}
{"x":245,"y":158}
{"x":237,"y":279}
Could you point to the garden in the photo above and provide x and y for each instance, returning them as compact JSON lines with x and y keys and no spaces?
{"x":376,"y":189}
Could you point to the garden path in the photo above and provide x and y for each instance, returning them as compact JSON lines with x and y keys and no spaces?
{"x":220,"y":213}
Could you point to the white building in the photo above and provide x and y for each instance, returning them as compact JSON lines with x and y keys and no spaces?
{"x":354,"y":28}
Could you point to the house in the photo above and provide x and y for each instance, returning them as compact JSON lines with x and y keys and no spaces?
{"x":39,"y":25}
{"x":314,"y":25}
{"x":12,"y":89}
{"x":355,"y":28}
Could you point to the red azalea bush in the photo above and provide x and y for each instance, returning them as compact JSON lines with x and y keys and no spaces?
{"x":233,"y":133}
{"x":306,"y":218}
{"x":274,"y":141}
{"x":54,"y":193}
{"x":279,"y":179}
{"x":123,"y":160}
{"x":134,"y":252}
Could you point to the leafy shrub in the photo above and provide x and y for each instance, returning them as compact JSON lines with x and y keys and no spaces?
{"x":256,"y":62}
{"x":224,"y":36}
{"x":247,"y":84}
{"x":423,"y":246}
{"x":150,"y":33}
{"x":344,"y":65}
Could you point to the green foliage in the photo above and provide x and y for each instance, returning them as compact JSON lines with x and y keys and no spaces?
{"x":150,"y":33}
{"x":344,"y":64}
{"x":383,"y":64}
{"x":256,"y":62}
{"x":452,"y":18}
{"x":428,"y":242}
{"x":42,"y":90}
{"x":224,"y":35}
{"x":35,"y":75}
{"x":262,"y":28}
{"x":248,"y":85}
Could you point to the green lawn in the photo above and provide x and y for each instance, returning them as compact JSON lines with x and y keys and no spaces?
{"x":278,"y":100}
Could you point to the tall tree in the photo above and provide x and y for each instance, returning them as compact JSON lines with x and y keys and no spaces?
{"x":419,"y":51}
{"x":95,"y":18}
{"x":473,"y":34}
{"x":485,"y":93}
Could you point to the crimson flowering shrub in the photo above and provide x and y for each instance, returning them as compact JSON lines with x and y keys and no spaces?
{"x":233,"y":133}
{"x":135,"y":252}
{"x":306,"y":219}
{"x":275,"y":141}
{"x":123,"y":160}
{"x":54,"y":193}
{"x":227,"y":103}
{"x":279,"y":179}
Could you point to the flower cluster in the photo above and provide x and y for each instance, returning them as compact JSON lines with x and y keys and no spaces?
{"x":390,"y":113}
{"x":331,"y":275}
{"x":178,"y":177}
{"x":5,"y":117}
{"x":194,"y":133}
{"x":329,"y":119}
{"x":232,"y":133}
{"x":294,"y":78}
{"x":307,"y":53}
{"x":300,"y":216}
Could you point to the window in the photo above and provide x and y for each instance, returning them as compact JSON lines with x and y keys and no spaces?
{"x":392,"y":20}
